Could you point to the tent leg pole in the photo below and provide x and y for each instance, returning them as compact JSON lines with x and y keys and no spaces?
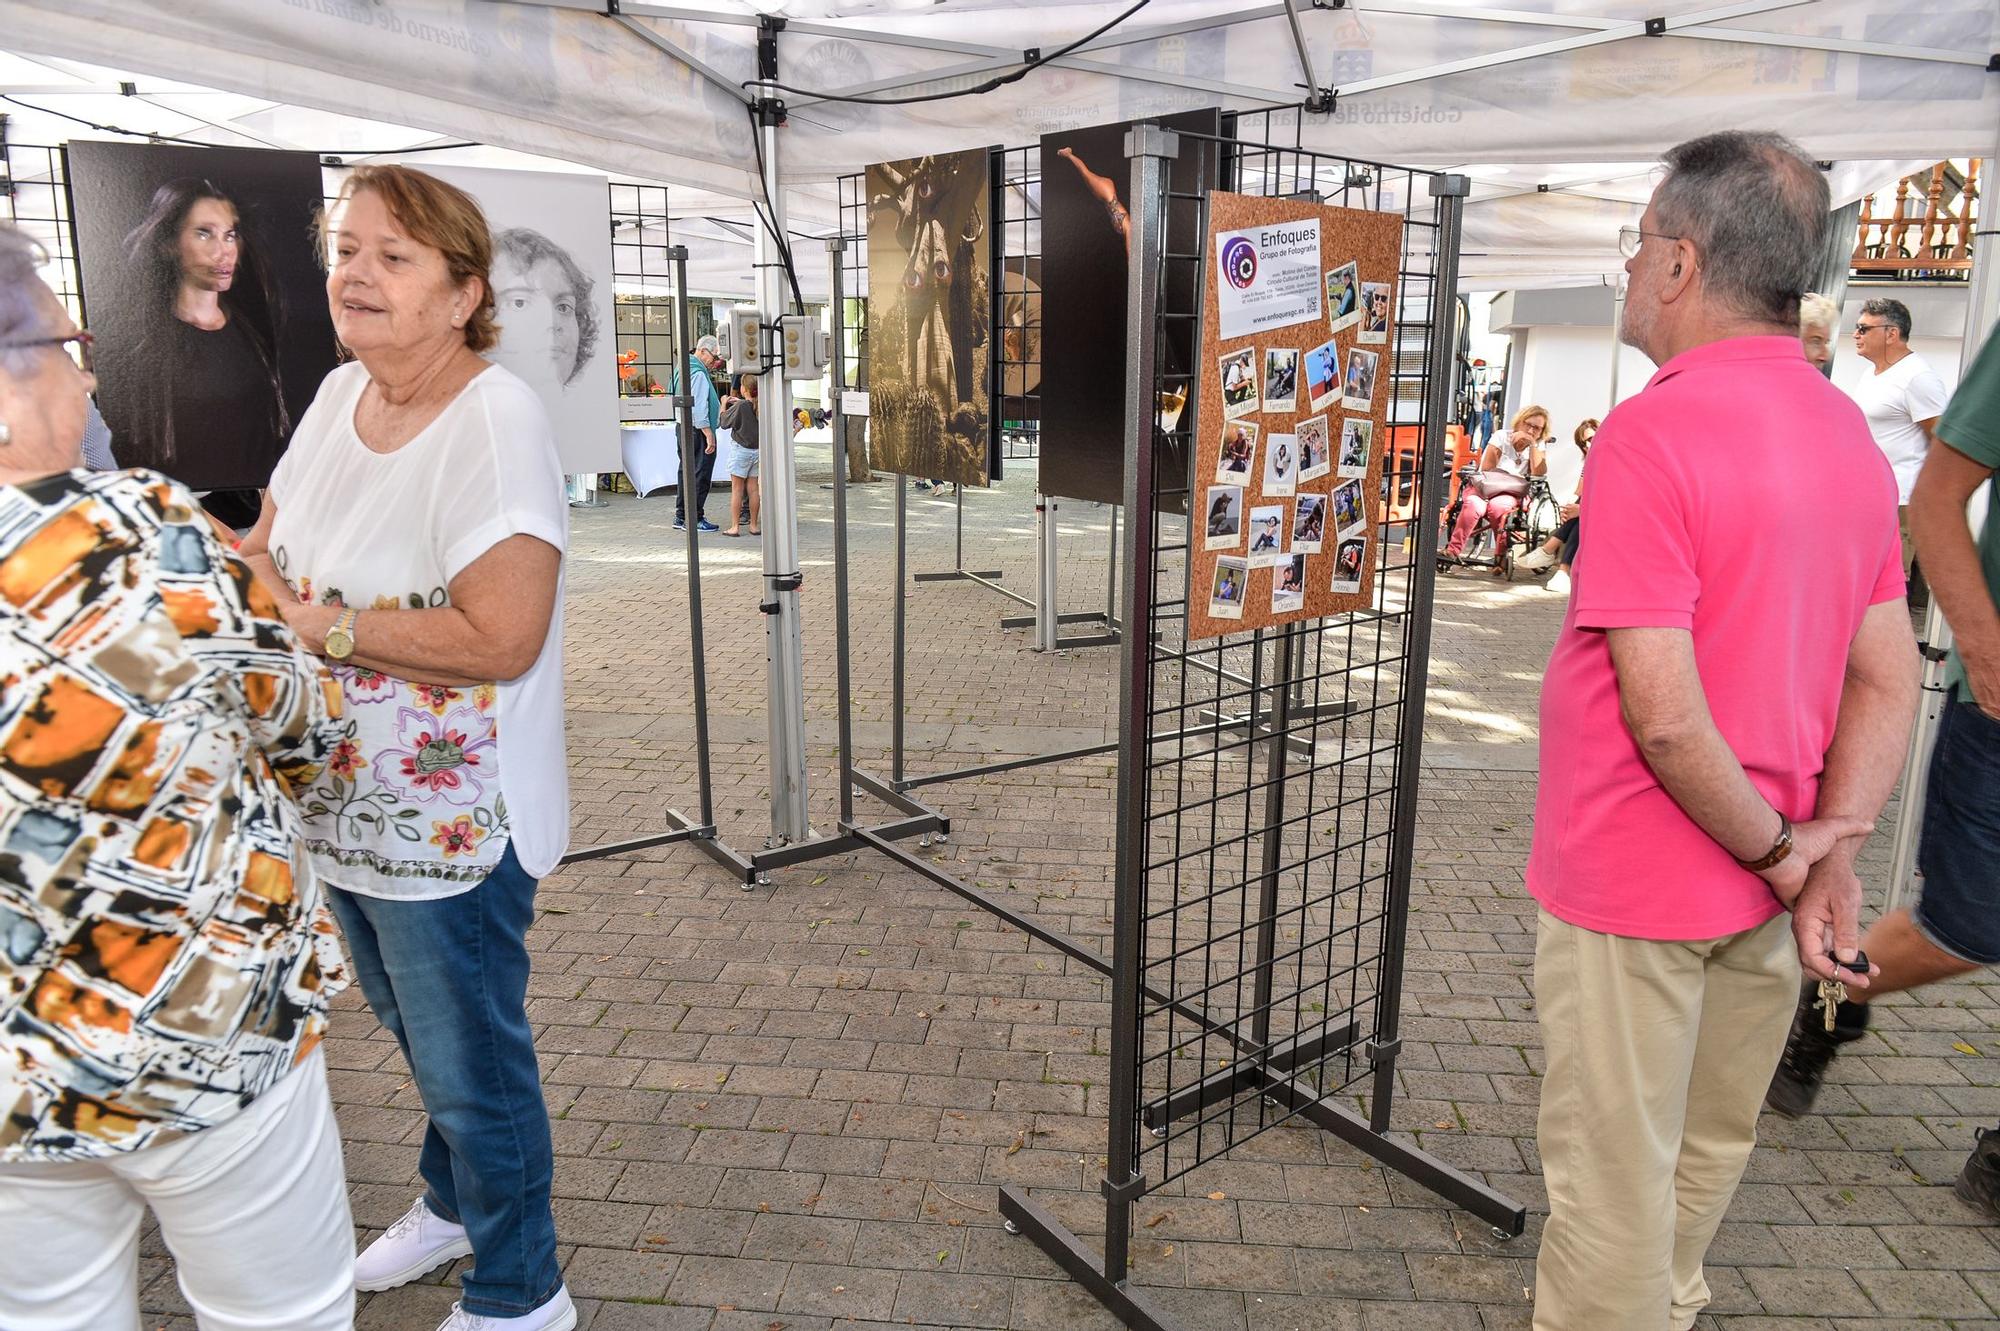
{"x":785,"y":689}
{"x":1982,"y":304}
{"x":1047,"y":628}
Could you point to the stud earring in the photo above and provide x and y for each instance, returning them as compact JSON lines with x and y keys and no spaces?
{"x":6,"y":433}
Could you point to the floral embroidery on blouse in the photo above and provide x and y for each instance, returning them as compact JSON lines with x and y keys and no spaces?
{"x":165,"y":953}
{"x":411,"y":789}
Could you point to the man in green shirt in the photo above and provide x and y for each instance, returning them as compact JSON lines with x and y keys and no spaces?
{"x":1955,"y":926}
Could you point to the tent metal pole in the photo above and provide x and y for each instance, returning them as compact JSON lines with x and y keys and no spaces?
{"x":785,"y":695}
{"x":1046,"y":608}
{"x":836,"y":251}
{"x":1982,"y":305}
{"x":900,"y":629}
{"x":1305,"y":52}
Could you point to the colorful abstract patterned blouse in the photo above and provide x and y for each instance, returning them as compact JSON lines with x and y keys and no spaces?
{"x":165,"y":954}
{"x":428,"y":785}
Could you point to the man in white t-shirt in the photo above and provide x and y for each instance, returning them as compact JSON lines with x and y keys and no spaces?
{"x":1902,"y":397}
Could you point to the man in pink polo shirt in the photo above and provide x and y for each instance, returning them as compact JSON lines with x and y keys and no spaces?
{"x":1725,"y":711}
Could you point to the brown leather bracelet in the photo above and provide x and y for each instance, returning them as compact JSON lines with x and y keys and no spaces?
{"x":1778,"y":851}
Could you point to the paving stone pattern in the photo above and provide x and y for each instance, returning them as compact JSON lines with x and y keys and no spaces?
{"x":790,"y":1109}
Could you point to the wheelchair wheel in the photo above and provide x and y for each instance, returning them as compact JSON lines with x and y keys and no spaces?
{"x":1544,"y":516}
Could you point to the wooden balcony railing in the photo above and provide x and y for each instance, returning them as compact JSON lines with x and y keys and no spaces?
{"x":1923,"y":229}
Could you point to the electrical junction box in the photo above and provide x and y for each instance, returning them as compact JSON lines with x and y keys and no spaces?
{"x":804,"y":347}
{"x":742,"y":340}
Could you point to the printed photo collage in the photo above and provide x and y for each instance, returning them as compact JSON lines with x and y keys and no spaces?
{"x":1299,"y":409}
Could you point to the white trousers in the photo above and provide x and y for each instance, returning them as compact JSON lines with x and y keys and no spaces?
{"x":254,"y":1210}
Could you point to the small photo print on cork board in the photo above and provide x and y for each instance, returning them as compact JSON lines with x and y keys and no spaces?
{"x":1343,"y":297}
{"x":1281,"y":466}
{"x":1347,"y":564}
{"x":1232,"y":582}
{"x":1357,"y":392}
{"x":1225,"y":518}
{"x":1357,"y":438}
{"x":1239,"y":382}
{"x":1288,"y":586}
{"x":1347,"y":514}
{"x":1375,"y":311}
{"x":1309,"y":527}
{"x":1281,"y":379}
{"x":1323,"y":375}
{"x":1315,"y":450}
{"x":1237,"y":462}
{"x":1267,"y":535}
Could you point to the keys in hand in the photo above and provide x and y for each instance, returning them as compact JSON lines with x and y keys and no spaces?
{"x":1832,"y":993}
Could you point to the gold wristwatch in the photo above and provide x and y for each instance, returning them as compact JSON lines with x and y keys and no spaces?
{"x":340,"y":638}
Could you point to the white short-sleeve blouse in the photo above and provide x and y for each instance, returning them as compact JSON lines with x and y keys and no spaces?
{"x":429,"y":785}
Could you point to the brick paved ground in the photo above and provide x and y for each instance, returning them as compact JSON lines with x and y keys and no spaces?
{"x":790,"y":1109}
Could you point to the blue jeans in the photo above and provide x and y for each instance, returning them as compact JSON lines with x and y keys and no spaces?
{"x":1959,"y":852}
{"x":449,"y":979}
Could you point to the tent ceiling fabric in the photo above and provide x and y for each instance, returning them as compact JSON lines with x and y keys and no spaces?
{"x":558,"y":79}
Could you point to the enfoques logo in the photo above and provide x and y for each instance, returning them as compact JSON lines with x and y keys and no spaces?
{"x":1239,"y":261}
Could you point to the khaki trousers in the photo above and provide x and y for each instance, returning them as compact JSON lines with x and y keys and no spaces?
{"x":1659,"y":1055}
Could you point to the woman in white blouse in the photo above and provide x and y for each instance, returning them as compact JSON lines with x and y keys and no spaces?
{"x":417,"y":525}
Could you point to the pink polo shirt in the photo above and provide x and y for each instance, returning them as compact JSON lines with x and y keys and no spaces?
{"x":1740,"y":497}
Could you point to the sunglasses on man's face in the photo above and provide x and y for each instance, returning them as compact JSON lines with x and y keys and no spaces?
{"x":84,"y":342}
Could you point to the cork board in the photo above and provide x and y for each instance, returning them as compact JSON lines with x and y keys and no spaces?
{"x":1293,"y":421}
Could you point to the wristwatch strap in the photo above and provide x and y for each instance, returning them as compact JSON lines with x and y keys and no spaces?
{"x":1779,"y":848}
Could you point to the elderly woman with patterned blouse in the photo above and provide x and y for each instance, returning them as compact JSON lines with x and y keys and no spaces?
{"x":415,"y":528}
{"x":165,"y":955}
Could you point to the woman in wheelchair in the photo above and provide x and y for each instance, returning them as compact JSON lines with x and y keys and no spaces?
{"x":1506,"y":466}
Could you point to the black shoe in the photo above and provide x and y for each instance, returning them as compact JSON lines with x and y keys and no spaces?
{"x":1978,"y":1183}
{"x":1811,"y":1047}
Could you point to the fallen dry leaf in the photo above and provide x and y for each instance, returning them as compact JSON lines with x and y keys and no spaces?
{"x":1964,"y":1048}
{"x":1217,"y":1196}
{"x":1158,"y":1220}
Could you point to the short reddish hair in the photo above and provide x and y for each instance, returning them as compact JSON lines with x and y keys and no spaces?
{"x":441,"y":216}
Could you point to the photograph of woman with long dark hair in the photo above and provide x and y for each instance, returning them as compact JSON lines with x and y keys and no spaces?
{"x":211,"y":320}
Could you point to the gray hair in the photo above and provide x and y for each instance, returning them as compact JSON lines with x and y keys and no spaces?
{"x":709,"y":344}
{"x":1756,"y":210}
{"x":1817,"y":311}
{"x":1897,"y":313}
{"x":23,"y":316}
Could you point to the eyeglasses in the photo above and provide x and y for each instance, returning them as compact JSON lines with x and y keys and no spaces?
{"x":84,"y":342}
{"x":1859,"y":329}
{"x":1630,"y":238}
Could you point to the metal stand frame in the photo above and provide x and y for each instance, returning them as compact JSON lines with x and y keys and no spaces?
{"x":698,"y":830}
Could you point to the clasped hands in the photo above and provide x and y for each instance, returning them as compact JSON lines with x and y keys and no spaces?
{"x":1817,"y":884}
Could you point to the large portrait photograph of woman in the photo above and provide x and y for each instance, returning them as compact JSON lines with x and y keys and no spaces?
{"x":203,"y":289}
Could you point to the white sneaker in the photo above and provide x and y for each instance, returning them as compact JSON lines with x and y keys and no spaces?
{"x":558,"y":1314}
{"x":1536,"y":559}
{"x":1558,"y":582}
{"x":417,"y":1243}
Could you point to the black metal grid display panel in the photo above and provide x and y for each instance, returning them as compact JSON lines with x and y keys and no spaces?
{"x":34,"y":195}
{"x":1274,"y":815}
{"x":642,"y":280}
{"x":1020,"y":342}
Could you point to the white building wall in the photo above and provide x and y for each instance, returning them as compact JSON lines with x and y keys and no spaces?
{"x":1563,"y":344}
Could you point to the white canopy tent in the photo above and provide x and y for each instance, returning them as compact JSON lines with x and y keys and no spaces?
{"x":1557,"y":108}
{"x":1556,"y":111}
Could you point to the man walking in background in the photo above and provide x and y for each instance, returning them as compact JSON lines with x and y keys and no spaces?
{"x":1901,"y":395}
{"x":707,"y":358}
{"x":1955,"y":926}
{"x":1723,"y":714}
